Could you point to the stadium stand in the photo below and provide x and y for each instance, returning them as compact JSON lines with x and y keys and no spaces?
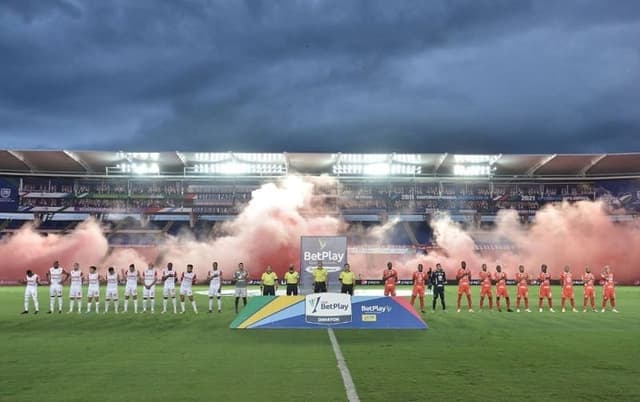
{"x":142,"y":198}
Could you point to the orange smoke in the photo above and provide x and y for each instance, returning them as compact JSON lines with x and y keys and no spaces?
{"x":268,"y":231}
{"x":577,"y":235}
{"x":28,"y":249}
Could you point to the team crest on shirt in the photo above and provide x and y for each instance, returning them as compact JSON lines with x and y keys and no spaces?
{"x":5,"y":192}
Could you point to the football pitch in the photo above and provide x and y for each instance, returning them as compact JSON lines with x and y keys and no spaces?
{"x":462,"y":356}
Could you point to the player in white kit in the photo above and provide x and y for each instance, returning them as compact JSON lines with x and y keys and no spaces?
{"x":31,"y":292}
{"x":93,"y":293}
{"x":149,"y":291}
{"x":169,"y":289}
{"x":131,"y":288}
{"x":55,"y":276}
{"x":75,"y":291}
{"x":187,"y":280}
{"x":112,"y":290}
{"x":214,"y":276}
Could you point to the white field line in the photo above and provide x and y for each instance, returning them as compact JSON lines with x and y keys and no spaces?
{"x":352,"y":395}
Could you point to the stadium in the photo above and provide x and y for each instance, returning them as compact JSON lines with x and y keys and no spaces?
{"x":120,"y":208}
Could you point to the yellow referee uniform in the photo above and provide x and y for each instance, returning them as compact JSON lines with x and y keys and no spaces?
{"x":292,"y":278}
{"x":348,"y":279}
{"x":269,"y":278}
{"x":269,"y":281}
{"x":320,"y":280}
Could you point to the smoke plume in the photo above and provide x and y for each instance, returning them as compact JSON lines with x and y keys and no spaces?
{"x":268,"y":230}
{"x":579,"y":235}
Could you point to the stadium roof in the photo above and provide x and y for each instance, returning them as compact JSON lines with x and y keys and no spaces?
{"x":65,"y":162}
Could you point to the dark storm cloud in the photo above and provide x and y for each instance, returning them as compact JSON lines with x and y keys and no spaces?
{"x":457,"y":76}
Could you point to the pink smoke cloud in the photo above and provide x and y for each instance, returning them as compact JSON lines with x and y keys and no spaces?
{"x":577,"y":235}
{"x":268,"y":231}
{"x":28,"y":249}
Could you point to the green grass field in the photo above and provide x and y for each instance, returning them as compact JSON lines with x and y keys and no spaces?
{"x":481,"y":356}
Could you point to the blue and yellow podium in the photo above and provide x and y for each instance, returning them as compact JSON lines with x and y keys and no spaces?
{"x":324,"y":310}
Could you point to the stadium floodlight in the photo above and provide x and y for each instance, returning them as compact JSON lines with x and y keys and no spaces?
{"x":139,"y":168}
{"x":363,"y":158}
{"x":343,"y":169}
{"x":473,"y":170}
{"x":136,"y":163}
{"x":241,"y":163}
{"x":212,"y":156}
{"x":476,"y":159}
{"x":138,"y":156}
{"x":376,"y":169}
{"x":234,"y":167}
{"x":474,"y":165}
{"x":408,"y":158}
{"x":397,"y":169}
{"x":259,"y":157}
{"x":377,"y":164}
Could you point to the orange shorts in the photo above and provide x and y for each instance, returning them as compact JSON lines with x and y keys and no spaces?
{"x":589,"y":291}
{"x":417,"y":291}
{"x":523,"y":291}
{"x":501,"y":291}
{"x":609,"y":292}
{"x":486,"y":291}
{"x":464,"y":289}
{"x":567,"y":292}
{"x":545,"y":291}
{"x":390,"y":290}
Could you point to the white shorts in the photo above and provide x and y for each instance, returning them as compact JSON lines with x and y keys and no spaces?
{"x":93,"y":291}
{"x":149,"y":293}
{"x":112,"y":293}
{"x":186,"y":292}
{"x":75,"y":292}
{"x":130,"y":291}
{"x":31,"y":292}
{"x":169,"y":291}
{"x":241,"y":292}
{"x":214,"y":290}
{"x":55,"y":290}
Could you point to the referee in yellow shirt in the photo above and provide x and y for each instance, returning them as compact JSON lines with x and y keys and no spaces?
{"x":347,"y":279}
{"x":269,"y":282}
{"x":320,"y":279}
{"x":292,"y":278}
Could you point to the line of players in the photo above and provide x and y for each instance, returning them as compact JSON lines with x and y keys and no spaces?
{"x":131,"y":278}
{"x":437,"y":280}
{"x":433,"y":278}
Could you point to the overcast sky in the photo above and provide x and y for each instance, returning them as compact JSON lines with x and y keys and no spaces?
{"x":509,"y":76}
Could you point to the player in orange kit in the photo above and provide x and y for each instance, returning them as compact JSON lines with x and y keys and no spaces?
{"x":501,"y":288}
{"x":589,"y":290}
{"x":609,"y":291}
{"x":486,"y":287}
{"x":419,"y":280}
{"x":390,"y":278}
{"x":464,"y":286}
{"x":566,"y":279}
{"x":545,"y":288}
{"x":522,"y":282}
